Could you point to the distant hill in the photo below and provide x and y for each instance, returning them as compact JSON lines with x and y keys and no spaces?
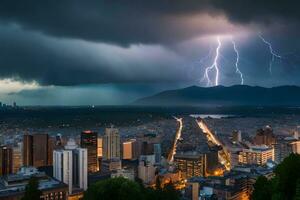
{"x":237,"y":95}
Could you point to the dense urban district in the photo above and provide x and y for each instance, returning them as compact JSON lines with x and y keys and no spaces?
{"x":148,"y":156}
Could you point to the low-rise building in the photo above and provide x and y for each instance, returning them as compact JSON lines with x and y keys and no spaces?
{"x":256,"y":155}
{"x":125,"y":173}
{"x":12,"y":187}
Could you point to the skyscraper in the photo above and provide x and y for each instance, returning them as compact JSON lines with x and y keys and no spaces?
{"x":36,"y":150}
{"x":40,"y":150}
{"x":6,"y":163}
{"x":89,"y":141}
{"x":111,"y":144}
{"x":100,"y":147}
{"x":264,"y":136}
{"x":17,"y":157}
{"x":27,"y":150}
{"x":146,"y":171}
{"x":157,"y":153}
{"x":130,"y":150}
{"x":70,"y":165}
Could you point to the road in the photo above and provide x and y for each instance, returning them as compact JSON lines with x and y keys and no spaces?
{"x":177,"y":136}
{"x":224,"y":157}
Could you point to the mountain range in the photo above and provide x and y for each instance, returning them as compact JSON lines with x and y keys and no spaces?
{"x":237,"y":95}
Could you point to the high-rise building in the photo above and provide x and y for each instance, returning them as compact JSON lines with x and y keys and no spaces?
{"x":284,"y":146}
{"x":146,"y":171}
{"x":111,"y":144}
{"x":236,"y":136}
{"x":6,"y":163}
{"x":130,"y":150}
{"x":99,"y":152}
{"x":36,"y":150}
{"x":100,"y":147}
{"x":157,"y":153}
{"x":40,"y":150}
{"x":190,"y":163}
{"x":89,"y":140}
{"x":147,"y":148}
{"x":264,"y":136}
{"x":17,"y":157}
{"x":27,"y":150}
{"x":256,"y":155}
{"x":70,"y":166}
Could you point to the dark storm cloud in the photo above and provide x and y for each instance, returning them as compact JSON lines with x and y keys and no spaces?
{"x":29,"y":56}
{"x":137,"y":21}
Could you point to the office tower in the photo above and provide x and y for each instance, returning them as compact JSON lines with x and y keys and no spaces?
{"x":146,"y":171}
{"x":17,"y":157}
{"x":256,"y":155}
{"x":40,"y":150}
{"x":296,"y":135}
{"x":51,"y":146}
{"x":36,"y":150}
{"x":111,"y":144}
{"x":70,"y":166}
{"x":157,"y":153}
{"x":6,"y":163}
{"x":264,"y":136}
{"x":99,"y":152}
{"x":147,"y":148}
{"x":296,"y":146}
{"x":284,"y":146}
{"x":236,"y":136}
{"x":190,"y":163}
{"x":130,"y":150}
{"x":100,"y":147}
{"x":27,"y":150}
{"x":89,"y":141}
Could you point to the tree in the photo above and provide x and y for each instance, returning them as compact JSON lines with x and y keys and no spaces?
{"x":124,"y":189}
{"x":31,"y":191}
{"x":288,"y":174}
{"x":285,"y":184}
{"x":297,"y":195}
{"x":169,"y":192}
{"x":114,"y":189}
{"x":262,"y":189}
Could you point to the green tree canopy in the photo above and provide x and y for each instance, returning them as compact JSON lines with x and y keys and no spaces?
{"x":32,"y":191}
{"x":285,"y":184}
{"x":124,"y":189}
{"x":262,"y":189}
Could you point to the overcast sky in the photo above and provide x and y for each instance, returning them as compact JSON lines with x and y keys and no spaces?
{"x":74,"y":52}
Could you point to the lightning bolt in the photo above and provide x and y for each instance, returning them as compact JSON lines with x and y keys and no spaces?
{"x":273,"y":53}
{"x":237,"y":69}
{"x":214,"y":66}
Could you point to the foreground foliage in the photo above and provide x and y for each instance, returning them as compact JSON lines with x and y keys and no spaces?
{"x":31,"y":191}
{"x":285,"y":184}
{"x":124,"y":189}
